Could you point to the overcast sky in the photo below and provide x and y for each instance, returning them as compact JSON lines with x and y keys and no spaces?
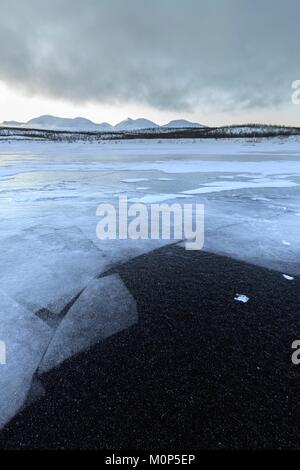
{"x":214,"y":61}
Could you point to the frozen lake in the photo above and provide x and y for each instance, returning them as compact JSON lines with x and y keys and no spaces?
{"x":49,"y":193}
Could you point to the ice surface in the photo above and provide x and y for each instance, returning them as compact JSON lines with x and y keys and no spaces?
{"x":103,"y":309}
{"x":134,"y":180}
{"x":212,"y":188}
{"x":150,"y":198}
{"x":49,"y":193}
{"x":26,"y":338}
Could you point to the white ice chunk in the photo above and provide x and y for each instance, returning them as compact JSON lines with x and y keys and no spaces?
{"x":284,"y":242}
{"x":289,"y":278}
{"x":105,"y":307}
{"x":241,"y":298}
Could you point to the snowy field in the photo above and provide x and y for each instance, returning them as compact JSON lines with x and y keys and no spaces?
{"x":52,"y":261}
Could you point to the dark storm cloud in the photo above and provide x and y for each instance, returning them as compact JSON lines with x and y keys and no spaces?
{"x":171,"y":54}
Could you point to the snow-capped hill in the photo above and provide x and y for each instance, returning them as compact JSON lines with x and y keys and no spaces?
{"x":181,"y":124}
{"x":135,"y":124}
{"x":11,"y":123}
{"x":105,"y":126}
{"x":58,"y":123}
{"x":81,"y":124}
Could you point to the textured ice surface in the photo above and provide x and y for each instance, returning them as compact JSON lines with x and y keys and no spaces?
{"x":103,"y":309}
{"x":44,"y":267}
{"x":150,"y":198}
{"x":212,"y":188}
{"x":26,"y":338}
{"x":49,"y":193}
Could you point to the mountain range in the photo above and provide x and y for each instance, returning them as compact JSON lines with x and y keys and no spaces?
{"x":82,"y":124}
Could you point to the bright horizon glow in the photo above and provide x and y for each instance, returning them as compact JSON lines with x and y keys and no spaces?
{"x":18,"y":106}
